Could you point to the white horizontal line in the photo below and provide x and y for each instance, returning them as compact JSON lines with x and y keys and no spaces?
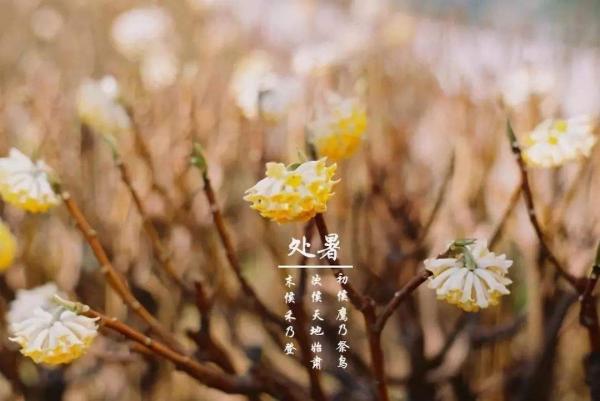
{"x":315,"y":267}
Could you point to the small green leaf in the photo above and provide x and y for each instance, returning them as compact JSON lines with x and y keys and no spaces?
{"x":511,"y":133}
{"x":197,"y":158}
{"x":293,"y":166}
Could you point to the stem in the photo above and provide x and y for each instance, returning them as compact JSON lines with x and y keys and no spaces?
{"x":367,"y":307}
{"x":377,"y":358}
{"x":204,"y":338}
{"x":400,"y":296}
{"x":212,"y":378}
{"x":316,"y":389}
{"x":113,"y":278}
{"x":231,"y":255}
{"x":302,"y":321}
{"x":438,"y":202}
{"x":358,"y":300}
{"x":588,"y":316}
{"x":512,"y":203}
{"x":528,"y":196}
{"x":160,"y":251}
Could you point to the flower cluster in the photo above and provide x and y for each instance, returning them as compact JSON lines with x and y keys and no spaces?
{"x":46,"y":330}
{"x":8,"y":247}
{"x":98,"y":107}
{"x":294,"y":193}
{"x":26,"y":184}
{"x":338,"y":129}
{"x":469,"y":275}
{"x":555,"y":142}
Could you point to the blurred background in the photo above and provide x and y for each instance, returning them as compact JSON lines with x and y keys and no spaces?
{"x":438,"y":80}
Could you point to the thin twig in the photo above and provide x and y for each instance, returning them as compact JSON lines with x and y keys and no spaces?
{"x":377,"y":357}
{"x":481,"y":336}
{"x":400,"y":296}
{"x":145,"y":153}
{"x":161,"y":253}
{"x":203,"y":338}
{"x":459,"y":326}
{"x":231,"y":254}
{"x":528,"y":196}
{"x":359,"y":301}
{"x":302,"y":322}
{"x":512,"y":204}
{"x":588,"y":315}
{"x":367,"y":307}
{"x":438,"y":202}
{"x":113,"y":278}
{"x":210,"y":377}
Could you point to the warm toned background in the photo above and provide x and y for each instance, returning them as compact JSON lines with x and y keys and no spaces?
{"x":437,"y":79}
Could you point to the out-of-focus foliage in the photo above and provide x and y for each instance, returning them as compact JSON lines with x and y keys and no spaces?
{"x":436,"y":79}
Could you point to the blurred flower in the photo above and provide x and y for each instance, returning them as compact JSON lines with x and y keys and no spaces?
{"x":257,"y":89}
{"x":159,"y":69}
{"x":338,"y":129}
{"x":555,"y":142}
{"x":54,"y":335}
{"x":98,"y":106}
{"x":8,"y":247}
{"x":46,"y":23}
{"x":249,"y":80}
{"x":277,"y":100}
{"x":26,"y":184}
{"x":28,"y":300}
{"x":315,"y":58}
{"x":137,"y":31}
{"x":525,"y":82}
{"x":472,"y":278}
{"x":293,"y":193}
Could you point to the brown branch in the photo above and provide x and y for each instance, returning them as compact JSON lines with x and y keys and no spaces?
{"x":159,"y":250}
{"x":113,"y":278}
{"x":528,"y":196}
{"x":459,"y":326}
{"x":367,"y":307}
{"x":302,"y":322}
{"x":231,"y":255}
{"x":210,"y":377}
{"x":377,"y":358}
{"x":400,"y":296}
{"x":438,"y":201}
{"x":512,"y":204}
{"x":588,"y":315}
{"x":481,"y":336}
{"x":145,"y":153}
{"x":359,"y":301}
{"x":203,"y":338}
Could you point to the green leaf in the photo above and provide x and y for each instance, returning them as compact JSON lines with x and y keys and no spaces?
{"x":197,"y":158}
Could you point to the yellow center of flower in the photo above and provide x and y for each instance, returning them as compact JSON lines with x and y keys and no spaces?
{"x":561,"y":126}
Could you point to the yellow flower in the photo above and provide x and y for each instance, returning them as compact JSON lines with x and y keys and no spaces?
{"x":8,"y":247}
{"x":296,"y":193}
{"x":555,"y":142}
{"x":26,"y":184}
{"x":53,"y":334}
{"x":472,"y":278}
{"x":337,"y":132}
